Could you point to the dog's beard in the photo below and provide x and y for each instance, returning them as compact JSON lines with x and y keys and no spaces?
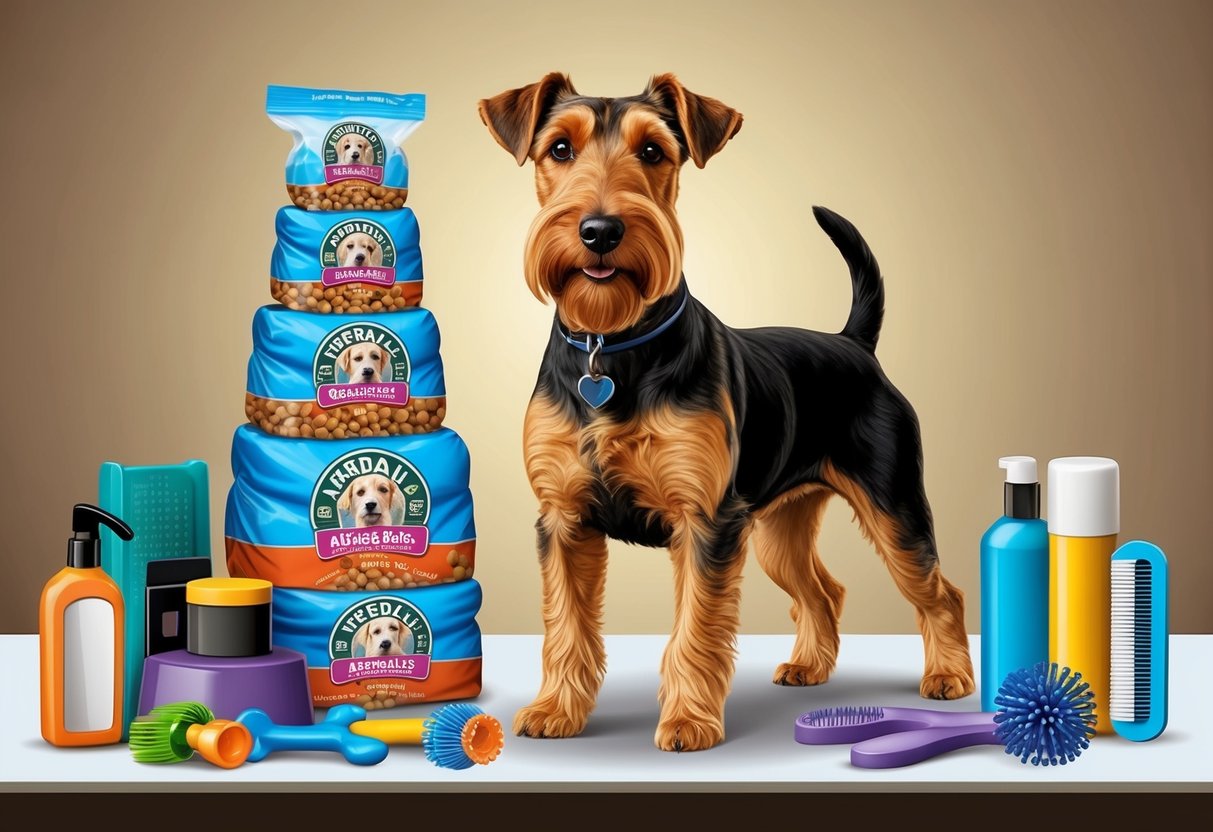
{"x":648,"y":266}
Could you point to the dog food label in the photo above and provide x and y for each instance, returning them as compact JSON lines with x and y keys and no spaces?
{"x":371,"y":501}
{"x":353,"y":151}
{"x":380,"y":637}
{"x":357,"y":251}
{"x":361,"y":363}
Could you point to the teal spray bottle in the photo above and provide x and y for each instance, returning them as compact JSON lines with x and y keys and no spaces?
{"x":1014,"y":581}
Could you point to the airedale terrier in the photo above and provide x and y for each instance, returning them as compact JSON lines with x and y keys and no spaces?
{"x":654,"y":423}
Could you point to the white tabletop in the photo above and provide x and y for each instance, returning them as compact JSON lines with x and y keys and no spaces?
{"x":616,"y":751}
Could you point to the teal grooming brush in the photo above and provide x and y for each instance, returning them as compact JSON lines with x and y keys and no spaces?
{"x":1138,"y":690}
{"x":168,"y":508}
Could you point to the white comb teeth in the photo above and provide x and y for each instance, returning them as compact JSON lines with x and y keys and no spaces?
{"x":1130,"y":682}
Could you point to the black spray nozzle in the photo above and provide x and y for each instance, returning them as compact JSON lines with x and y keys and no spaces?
{"x":84,"y":546}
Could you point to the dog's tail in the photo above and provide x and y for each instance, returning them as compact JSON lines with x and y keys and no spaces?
{"x":867,"y":287}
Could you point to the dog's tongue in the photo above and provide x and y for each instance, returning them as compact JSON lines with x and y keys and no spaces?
{"x":601,"y":273}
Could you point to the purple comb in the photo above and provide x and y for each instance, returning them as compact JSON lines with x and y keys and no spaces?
{"x":894,"y":737}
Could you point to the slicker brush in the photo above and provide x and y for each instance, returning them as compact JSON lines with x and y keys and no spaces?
{"x":173,"y":733}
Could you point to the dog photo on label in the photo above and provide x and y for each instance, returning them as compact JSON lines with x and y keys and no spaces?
{"x":353,"y":149}
{"x":384,"y":636}
{"x":360,"y":249}
{"x":371,"y":500}
{"x":654,"y":423}
{"x":364,"y":363}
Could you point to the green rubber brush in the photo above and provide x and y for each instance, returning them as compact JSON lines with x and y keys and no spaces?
{"x":173,"y":733}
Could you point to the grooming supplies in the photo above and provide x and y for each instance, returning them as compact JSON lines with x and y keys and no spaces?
{"x":1084,"y":519}
{"x":1045,"y":716}
{"x":1138,"y":700}
{"x":80,"y":639}
{"x":167,"y":617}
{"x":168,"y":508}
{"x":1014,"y":581}
{"x":455,"y":736}
{"x":172,"y":733}
{"x":229,"y":662}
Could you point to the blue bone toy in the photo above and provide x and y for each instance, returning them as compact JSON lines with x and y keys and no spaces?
{"x":333,"y":734}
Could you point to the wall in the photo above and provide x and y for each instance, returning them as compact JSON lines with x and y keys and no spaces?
{"x":1034,"y":177}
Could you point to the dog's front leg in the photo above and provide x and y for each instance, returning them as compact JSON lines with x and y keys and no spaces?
{"x":572,"y":561}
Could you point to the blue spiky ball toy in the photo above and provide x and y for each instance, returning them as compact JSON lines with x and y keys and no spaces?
{"x":1046,"y":715}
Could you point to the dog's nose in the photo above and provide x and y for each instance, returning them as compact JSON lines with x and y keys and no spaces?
{"x":355,"y":155}
{"x":367,"y":371}
{"x":385,"y":645}
{"x":601,"y":234}
{"x":370,"y":507}
{"x":358,"y":258}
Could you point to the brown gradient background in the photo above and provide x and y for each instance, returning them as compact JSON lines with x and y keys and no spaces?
{"x":1035,"y":178}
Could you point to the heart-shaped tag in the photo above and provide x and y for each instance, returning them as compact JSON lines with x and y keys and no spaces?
{"x":596,"y":392}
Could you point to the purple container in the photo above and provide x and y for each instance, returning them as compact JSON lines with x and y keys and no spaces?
{"x":276,"y":683}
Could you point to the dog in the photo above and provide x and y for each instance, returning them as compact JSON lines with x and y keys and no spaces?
{"x":372,"y":500}
{"x":360,"y":249}
{"x":353,"y":149}
{"x":384,"y":636}
{"x":713,"y":437}
{"x":364,"y":362}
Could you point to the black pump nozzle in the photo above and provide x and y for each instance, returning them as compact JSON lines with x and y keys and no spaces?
{"x":84,"y":546}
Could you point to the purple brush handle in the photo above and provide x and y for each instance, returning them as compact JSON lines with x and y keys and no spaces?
{"x":895,"y":720}
{"x":896,"y":750}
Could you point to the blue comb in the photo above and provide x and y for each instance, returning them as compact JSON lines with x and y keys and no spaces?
{"x":168,"y":507}
{"x":1138,"y":690}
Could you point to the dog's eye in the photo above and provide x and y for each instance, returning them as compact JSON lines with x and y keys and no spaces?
{"x":651,"y":153}
{"x":562,"y":150}
{"x":383,"y":489}
{"x":361,"y":491}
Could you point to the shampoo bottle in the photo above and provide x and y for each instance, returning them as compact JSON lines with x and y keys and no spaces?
{"x":1014,"y":582}
{"x":80,"y":622}
{"x":1084,"y":520}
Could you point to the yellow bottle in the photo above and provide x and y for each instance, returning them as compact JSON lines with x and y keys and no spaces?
{"x":1084,"y":520}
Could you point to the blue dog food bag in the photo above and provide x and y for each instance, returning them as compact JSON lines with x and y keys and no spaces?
{"x":320,"y":377}
{"x":350,"y":515}
{"x":386,"y":648}
{"x":347,"y":154}
{"x":362,"y":262}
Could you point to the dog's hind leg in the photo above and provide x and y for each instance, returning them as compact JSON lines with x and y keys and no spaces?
{"x":895,"y":516}
{"x":572,"y":561}
{"x":785,"y":540}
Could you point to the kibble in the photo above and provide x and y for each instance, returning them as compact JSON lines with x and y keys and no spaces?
{"x":347,"y":195}
{"x":420,"y":415}
{"x":348,"y":298}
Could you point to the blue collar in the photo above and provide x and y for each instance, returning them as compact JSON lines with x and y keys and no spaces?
{"x":587,"y":342}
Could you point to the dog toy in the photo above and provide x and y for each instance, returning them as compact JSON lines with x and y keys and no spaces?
{"x":1045,"y":715}
{"x":455,"y":736}
{"x":172,"y":733}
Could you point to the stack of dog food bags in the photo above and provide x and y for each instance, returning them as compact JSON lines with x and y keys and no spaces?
{"x":350,"y":495}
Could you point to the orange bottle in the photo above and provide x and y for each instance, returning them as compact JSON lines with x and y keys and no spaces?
{"x":80,"y":639}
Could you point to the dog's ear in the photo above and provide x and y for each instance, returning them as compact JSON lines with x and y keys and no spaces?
{"x":343,"y":360}
{"x":397,"y":503}
{"x":707,"y":124}
{"x":385,"y":359}
{"x":513,"y":117}
{"x":344,"y":502}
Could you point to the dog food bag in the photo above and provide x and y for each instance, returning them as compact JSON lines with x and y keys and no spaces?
{"x":320,"y":377}
{"x":383,"y":649}
{"x":353,"y":263}
{"x":350,"y":515}
{"x":347,"y":154}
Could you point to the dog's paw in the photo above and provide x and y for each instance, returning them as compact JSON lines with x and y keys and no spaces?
{"x":946,"y":686}
{"x":799,"y":675}
{"x":545,"y":720}
{"x":685,"y":735}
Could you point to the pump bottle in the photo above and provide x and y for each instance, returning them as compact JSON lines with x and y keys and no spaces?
{"x":80,"y":639}
{"x":1014,"y":582}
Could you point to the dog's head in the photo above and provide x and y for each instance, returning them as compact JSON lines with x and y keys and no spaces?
{"x":383,"y":636}
{"x":606,"y":243}
{"x":353,"y":149}
{"x":360,"y":249}
{"x":372,"y":500}
{"x":364,"y":363}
